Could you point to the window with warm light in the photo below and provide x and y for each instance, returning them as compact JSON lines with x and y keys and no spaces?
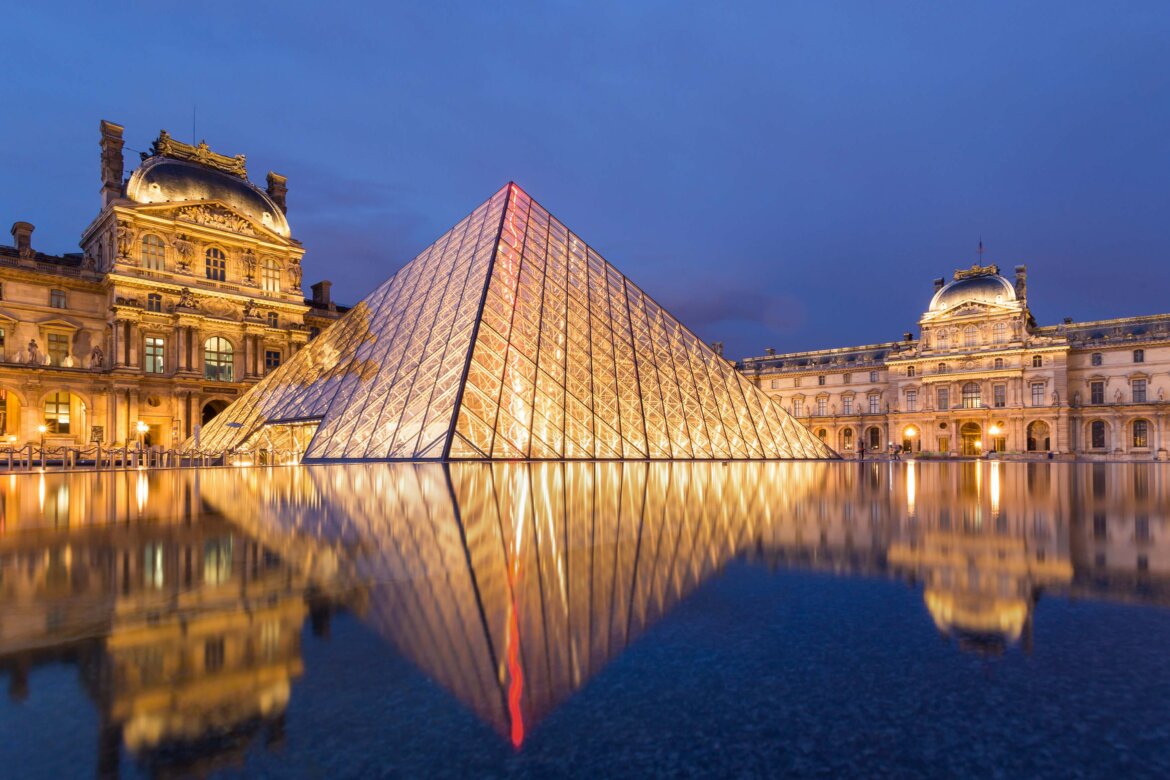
{"x":970,"y":336}
{"x":847,"y":405}
{"x":999,"y":332}
{"x":971,"y":396}
{"x":1141,"y":434}
{"x":270,"y":275}
{"x":942,"y":340}
{"x":57,"y":418}
{"x":153,"y":253}
{"x":217,"y":359}
{"x":155,"y":348}
{"x":58,"y":344}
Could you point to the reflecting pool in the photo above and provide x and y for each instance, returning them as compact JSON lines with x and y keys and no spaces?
{"x":590,"y":619}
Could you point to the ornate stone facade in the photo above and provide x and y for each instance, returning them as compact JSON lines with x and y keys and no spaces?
{"x":186,"y":292}
{"x":983,"y":376}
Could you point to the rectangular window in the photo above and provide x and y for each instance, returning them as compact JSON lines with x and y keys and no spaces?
{"x":874,"y":404}
{"x":155,"y":348}
{"x":846,"y":378}
{"x":847,"y":405}
{"x":57,"y":299}
{"x":1139,"y":391}
{"x":909,"y":370}
{"x":1139,"y":356}
{"x":873,"y":376}
{"x":912,"y":400}
{"x":944,"y":443}
{"x":271,"y":360}
{"x":1000,"y":396}
{"x":797,"y":408}
{"x":775,"y":384}
{"x":57,"y":413}
{"x":58,"y":348}
{"x":270,"y":277}
{"x":1037,"y":394}
{"x":1095,"y":359}
{"x":1096,"y":392}
{"x":943,"y":398}
{"x":796,"y":382}
{"x":820,"y":380}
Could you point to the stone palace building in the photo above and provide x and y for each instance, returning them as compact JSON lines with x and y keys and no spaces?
{"x":983,"y":376}
{"x":186,"y":292}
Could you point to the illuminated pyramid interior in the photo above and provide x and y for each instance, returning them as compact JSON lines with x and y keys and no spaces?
{"x":509,"y":338}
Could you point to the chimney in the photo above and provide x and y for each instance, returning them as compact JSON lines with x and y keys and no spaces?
{"x":1022,"y":282}
{"x":111,"y":144}
{"x":769,"y":351}
{"x":278,"y":190}
{"x":321,"y":295}
{"x":22,"y":238}
{"x":939,"y":284}
{"x":907,"y":336}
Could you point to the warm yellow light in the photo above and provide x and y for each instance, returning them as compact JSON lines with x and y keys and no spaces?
{"x":141,"y":427}
{"x":994,"y":430}
{"x":42,"y":429}
{"x":12,"y":439}
{"x":911,"y":432}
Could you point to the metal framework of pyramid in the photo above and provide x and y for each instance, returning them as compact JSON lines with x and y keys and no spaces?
{"x":509,"y":338}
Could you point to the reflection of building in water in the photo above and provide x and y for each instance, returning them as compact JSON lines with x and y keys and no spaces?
{"x":186,"y":632}
{"x":511,"y":585}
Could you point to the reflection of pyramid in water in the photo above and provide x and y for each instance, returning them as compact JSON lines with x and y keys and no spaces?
{"x":510,"y":338}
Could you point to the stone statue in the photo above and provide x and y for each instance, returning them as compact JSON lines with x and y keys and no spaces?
{"x":1117,"y":396}
{"x":1055,"y":398}
{"x":88,"y":263}
{"x":1161,"y":394}
{"x":96,"y":359}
{"x":34,"y":353}
{"x":294,"y":274}
{"x":187,"y":299}
{"x":249,"y":261}
{"x":249,"y":309}
{"x":125,"y":237}
{"x":184,"y":249}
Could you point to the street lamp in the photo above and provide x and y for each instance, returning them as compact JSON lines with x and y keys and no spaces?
{"x":141,"y":428}
{"x":42,"y":429}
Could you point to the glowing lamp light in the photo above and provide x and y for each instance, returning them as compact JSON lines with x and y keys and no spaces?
{"x":42,"y":429}
{"x":995,"y":430}
{"x":141,"y":427}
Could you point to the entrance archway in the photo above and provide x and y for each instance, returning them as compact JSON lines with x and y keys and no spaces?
{"x":212,"y":408}
{"x":874,"y":438}
{"x":971,"y":439}
{"x":911,"y":441}
{"x":1038,"y":436}
{"x":9,"y":413}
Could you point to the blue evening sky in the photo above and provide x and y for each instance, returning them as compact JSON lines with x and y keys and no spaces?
{"x":786,"y":174}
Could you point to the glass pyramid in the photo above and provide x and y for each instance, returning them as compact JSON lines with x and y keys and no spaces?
{"x":509,"y":338}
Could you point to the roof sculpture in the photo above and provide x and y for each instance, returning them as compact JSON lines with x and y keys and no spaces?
{"x":510,"y":338}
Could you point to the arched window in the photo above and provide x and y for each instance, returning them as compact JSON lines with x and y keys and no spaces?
{"x":942,"y":368}
{"x":154,"y":253}
{"x":942,"y":340}
{"x":971,"y":397}
{"x":1141,"y":433}
{"x":970,"y":336}
{"x":998,"y":363}
{"x":822,"y":434}
{"x":1037,"y":361}
{"x":1097,"y":434}
{"x":215,"y":264}
{"x":153,"y":302}
{"x":217,"y":359}
{"x":999,"y":332}
{"x":847,"y":439}
{"x":270,"y":275}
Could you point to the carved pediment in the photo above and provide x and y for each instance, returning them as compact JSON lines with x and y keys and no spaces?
{"x":212,"y":214}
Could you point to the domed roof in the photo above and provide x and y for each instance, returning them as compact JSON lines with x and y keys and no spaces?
{"x":982,"y":288}
{"x":167,"y":180}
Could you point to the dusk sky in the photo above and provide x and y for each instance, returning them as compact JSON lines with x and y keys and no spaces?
{"x":790,"y":175}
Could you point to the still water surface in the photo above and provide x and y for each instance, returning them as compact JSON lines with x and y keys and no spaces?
{"x":590,"y":619}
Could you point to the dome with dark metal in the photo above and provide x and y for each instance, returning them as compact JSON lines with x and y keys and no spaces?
{"x":981,"y":288}
{"x":167,"y":180}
